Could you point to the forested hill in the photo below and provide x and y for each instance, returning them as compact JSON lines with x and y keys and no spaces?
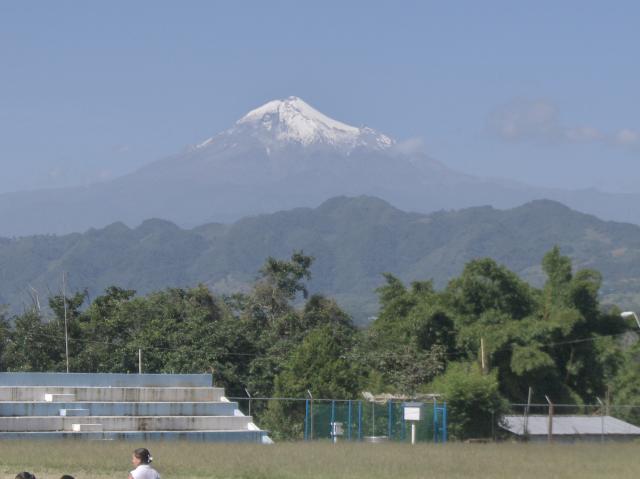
{"x":354,"y":240}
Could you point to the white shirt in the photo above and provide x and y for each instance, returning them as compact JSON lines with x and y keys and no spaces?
{"x":145,"y":471}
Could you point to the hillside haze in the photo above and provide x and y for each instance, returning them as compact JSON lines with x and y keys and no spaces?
{"x":282,"y":155}
{"x":354,"y":241}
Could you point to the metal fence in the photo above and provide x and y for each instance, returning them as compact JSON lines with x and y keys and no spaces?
{"x":372,"y":421}
{"x":357,"y":420}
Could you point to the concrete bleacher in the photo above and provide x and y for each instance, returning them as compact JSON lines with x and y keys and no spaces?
{"x":120,"y":406}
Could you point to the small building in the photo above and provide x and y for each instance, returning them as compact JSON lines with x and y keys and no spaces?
{"x":570,"y":428}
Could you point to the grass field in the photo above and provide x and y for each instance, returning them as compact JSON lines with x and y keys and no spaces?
{"x":102,"y":460}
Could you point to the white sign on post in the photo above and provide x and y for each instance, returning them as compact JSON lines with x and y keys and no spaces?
{"x":413,"y":412}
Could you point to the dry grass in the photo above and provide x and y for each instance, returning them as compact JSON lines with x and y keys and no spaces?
{"x":102,"y":460}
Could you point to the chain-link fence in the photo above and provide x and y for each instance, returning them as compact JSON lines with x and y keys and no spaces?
{"x":369,"y":421}
{"x":345,"y":420}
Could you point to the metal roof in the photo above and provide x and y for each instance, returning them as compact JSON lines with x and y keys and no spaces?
{"x":386,"y":397}
{"x":569,"y":425}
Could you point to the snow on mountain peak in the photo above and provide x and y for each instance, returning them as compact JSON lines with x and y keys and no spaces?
{"x":293,"y":120}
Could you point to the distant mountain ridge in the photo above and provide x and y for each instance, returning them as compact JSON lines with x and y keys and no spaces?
{"x":282,"y":155}
{"x":354,"y":241}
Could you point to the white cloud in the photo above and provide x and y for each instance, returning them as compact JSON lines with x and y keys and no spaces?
{"x":104,"y":175}
{"x":538,"y":121}
{"x":410,"y":146}
{"x":121,"y":148}
{"x":56,"y":173}
{"x":526,"y":120}
{"x":583,"y":134}
{"x":627,"y":137}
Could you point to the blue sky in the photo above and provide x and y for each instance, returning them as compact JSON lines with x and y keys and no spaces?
{"x":541,"y":92}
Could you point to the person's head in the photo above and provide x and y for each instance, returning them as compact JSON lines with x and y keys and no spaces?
{"x":141,"y":456}
{"x":67,"y":476}
{"x":25,"y":475}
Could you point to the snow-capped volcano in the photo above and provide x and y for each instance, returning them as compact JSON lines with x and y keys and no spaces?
{"x":294,"y":121}
{"x":281,"y":155}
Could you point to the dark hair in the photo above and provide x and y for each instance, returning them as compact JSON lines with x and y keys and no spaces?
{"x":25,"y":475}
{"x":67,"y":476}
{"x":143,"y":454}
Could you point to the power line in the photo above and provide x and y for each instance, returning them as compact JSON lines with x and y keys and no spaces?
{"x":354,"y":355}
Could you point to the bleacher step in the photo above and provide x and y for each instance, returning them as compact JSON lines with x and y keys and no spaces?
{"x":48,"y":397}
{"x":86,"y":427}
{"x":74,"y":412}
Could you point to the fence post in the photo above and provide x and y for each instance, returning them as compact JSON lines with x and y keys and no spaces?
{"x":306,"y":420}
{"x":601,"y":419}
{"x":249,"y":396}
{"x":359,"y":420}
{"x":550,"y":420}
{"x":444,"y":422}
{"x":349,"y":421}
{"x":525,"y":428}
{"x":333,"y":415}
{"x":435,"y":420}
{"x":389,"y":419}
{"x":310,"y":415}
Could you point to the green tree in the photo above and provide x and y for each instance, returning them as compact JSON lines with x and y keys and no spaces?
{"x":69,"y":306}
{"x":485,"y":286}
{"x":274,"y":325}
{"x":5,"y":336}
{"x":625,"y":387}
{"x":320,"y":364}
{"x":107,"y":328}
{"x":33,"y":345}
{"x":583,"y":356}
{"x":558,"y":271}
{"x":280,"y":282}
{"x":474,"y":403}
{"x":407,"y":345}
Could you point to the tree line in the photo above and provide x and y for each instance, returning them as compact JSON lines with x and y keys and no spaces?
{"x":482,"y":341}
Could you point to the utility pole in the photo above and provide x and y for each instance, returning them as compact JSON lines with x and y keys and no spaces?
{"x":482,"y":360}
